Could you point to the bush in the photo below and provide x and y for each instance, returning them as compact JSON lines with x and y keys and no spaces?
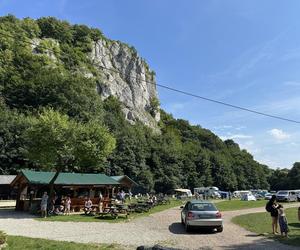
{"x":3,"y":238}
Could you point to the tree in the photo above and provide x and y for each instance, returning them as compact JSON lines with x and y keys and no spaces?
{"x":294,"y":176}
{"x":279,"y":179}
{"x":12,"y":126}
{"x":57,"y":143}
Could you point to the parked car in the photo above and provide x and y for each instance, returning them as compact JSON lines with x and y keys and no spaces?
{"x":248,"y":197}
{"x":197,"y":213}
{"x":298,"y":196}
{"x":286,"y":195}
{"x":268,"y":196}
{"x":259,"y":196}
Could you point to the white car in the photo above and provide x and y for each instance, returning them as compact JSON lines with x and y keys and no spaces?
{"x":268,"y":196}
{"x":248,"y":197}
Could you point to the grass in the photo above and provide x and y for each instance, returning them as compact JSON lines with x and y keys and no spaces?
{"x":85,"y":218}
{"x":261,"y":223}
{"x":25,"y":243}
{"x":238,"y":205}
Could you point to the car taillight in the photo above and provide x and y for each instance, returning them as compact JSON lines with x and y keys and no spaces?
{"x":190,"y":215}
{"x":218,"y":215}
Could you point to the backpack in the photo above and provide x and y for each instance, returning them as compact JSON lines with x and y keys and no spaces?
{"x":268,"y":207}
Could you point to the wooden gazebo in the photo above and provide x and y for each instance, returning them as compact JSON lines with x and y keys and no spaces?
{"x":32,"y":184}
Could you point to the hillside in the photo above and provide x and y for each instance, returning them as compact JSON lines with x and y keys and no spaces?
{"x":77,"y":71}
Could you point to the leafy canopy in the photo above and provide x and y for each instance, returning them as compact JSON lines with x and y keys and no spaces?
{"x":54,"y":141}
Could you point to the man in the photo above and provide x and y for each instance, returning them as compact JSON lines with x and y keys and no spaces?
{"x":122,"y":196}
{"x":88,"y":205}
{"x":44,"y":203}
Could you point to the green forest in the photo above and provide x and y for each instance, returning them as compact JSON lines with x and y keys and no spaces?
{"x":44,"y":86}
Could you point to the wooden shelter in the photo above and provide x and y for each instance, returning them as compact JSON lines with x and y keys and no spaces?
{"x":32,"y":184}
{"x":125,"y":182}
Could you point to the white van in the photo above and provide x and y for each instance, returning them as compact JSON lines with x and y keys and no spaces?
{"x":182,"y":192}
{"x":286,"y":195}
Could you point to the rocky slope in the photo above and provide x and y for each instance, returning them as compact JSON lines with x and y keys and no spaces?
{"x":126,"y":76}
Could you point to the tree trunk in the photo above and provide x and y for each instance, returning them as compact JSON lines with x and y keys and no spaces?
{"x":51,"y":184}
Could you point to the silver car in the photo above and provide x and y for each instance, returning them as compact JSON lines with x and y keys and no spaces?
{"x":286,"y":195}
{"x":204,"y":214}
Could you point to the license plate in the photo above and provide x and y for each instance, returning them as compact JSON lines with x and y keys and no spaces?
{"x":204,"y":216}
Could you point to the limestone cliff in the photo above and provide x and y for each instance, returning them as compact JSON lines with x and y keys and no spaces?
{"x":127,"y":76}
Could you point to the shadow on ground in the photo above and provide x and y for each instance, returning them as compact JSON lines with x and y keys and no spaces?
{"x":12,"y":214}
{"x":294,"y":224}
{"x":178,"y":228}
{"x":260,"y":244}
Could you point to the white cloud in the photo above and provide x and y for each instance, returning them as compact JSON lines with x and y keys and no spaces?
{"x":279,"y":134}
{"x":236,"y":136}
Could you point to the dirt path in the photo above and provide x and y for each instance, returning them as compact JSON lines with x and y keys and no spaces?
{"x":163,"y":228}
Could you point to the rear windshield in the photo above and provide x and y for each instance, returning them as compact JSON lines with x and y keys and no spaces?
{"x":283,"y":192}
{"x":203,"y":207}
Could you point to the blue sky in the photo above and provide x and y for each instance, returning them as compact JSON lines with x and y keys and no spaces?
{"x":242,"y":52}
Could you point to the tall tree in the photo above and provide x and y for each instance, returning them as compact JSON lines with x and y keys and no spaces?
{"x":55,"y":142}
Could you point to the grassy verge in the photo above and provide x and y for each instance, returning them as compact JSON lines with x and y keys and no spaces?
{"x":85,"y":218}
{"x":261,"y":223}
{"x":25,"y":243}
{"x":238,"y":204}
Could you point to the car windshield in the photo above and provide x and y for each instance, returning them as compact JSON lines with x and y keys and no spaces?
{"x":203,"y":207}
{"x":282,"y":192}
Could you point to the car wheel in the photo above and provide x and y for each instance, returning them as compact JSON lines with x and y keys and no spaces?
{"x":187,"y":227}
{"x":220,"y":229}
{"x":182,"y":222}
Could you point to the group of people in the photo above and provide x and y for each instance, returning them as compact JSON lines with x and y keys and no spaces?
{"x":62,"y":205}
{"x":278,"y":216}
{"x":121,"y":196}
{"x":57,"y":205}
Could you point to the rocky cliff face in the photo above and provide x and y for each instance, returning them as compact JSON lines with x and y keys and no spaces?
{"x":126,"y":76}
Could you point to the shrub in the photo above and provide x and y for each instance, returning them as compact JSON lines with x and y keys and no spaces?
{"x":3,"y":238}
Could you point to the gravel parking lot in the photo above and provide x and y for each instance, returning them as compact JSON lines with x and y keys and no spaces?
{"x":161,"y":228}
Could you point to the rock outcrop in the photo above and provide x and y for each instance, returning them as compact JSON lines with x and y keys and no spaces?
{"x":127,"y":76}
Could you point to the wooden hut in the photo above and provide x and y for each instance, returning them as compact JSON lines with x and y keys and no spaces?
{"x":32,"y":184}
{"x":125,"y":182}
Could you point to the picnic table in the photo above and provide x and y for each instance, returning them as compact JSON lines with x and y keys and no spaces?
{"x":141,"y":206}
{"x":114,"y":211}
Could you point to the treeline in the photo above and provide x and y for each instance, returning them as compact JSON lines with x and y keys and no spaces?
{"x":34,"y":78}
{"x":282,"y":179}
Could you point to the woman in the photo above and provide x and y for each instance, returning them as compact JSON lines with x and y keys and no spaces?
{"x":272,"y":208}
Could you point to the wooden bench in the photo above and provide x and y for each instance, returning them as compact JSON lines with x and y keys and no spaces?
{"x":77,"y":204}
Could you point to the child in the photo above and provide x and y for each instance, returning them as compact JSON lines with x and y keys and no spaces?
{"x":282,"y":221}
{"x":68,"y":206}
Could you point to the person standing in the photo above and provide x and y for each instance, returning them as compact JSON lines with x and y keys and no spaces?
{"x":283,"y":223}
{"x":271,"y":207}
{"x":68,"y":206}
{"x":123,"y":196}
{"x":44,"y":203}
{"x":130,"y":194}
